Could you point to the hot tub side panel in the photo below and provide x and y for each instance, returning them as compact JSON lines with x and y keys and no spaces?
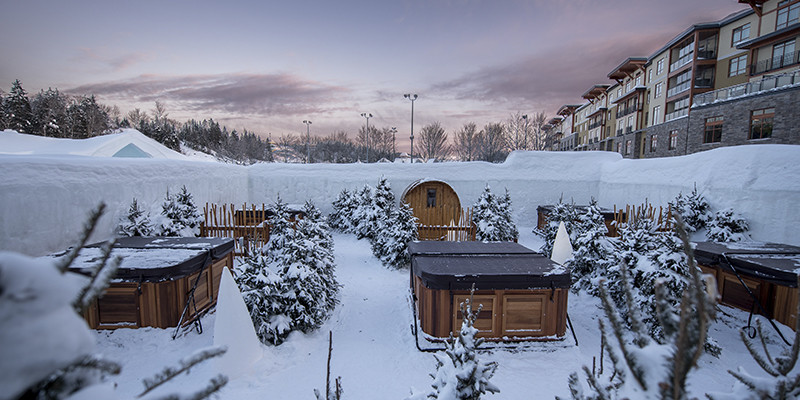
{"x":156,"y":304}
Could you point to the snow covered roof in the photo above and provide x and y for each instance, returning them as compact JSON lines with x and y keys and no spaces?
{"x":128,"y":143}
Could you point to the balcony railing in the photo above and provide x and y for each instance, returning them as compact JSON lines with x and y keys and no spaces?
{"x":676,"y":114}
{"x":681,"y":62}
{"x":629,"y":110}
{"x":680,"y":88}
{"x":774,"y":63}
{"x":595,"y":125}
{"x":747,"y":88}
{"x":619,"y":132}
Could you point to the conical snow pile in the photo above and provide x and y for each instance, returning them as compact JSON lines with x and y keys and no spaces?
{"x":562,"y":248}
{"x":234,"y":329}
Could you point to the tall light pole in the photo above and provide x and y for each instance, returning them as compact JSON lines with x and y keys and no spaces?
{"x":367,"y":116}
{"x":394,"y":134}
{"x":525,"y":135}
{"x":411,"y":97}
{"x":308,"y":141}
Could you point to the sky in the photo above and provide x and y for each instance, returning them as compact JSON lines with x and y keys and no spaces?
{"x":266,"y":66}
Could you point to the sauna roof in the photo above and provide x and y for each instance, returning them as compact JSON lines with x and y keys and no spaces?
{"x":490,"y":266}
{"x":773,"y":262}
{"x":155,"y":259}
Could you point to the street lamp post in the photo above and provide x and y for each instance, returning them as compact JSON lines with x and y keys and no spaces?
{"x":394,"y":134}
{"x":367,"y":116}
{"x":308,"y":141}
{"x":411,"y":97}
{"x":525,"y":134}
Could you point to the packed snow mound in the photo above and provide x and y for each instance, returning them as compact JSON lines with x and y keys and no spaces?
{"x":129,"y":143}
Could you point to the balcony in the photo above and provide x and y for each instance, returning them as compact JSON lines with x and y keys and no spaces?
{"x":747,"y":88}
{"x":595,"y":125}
{"x":619,"y":132}
{"x":676,"y":114}
{"x":681,"y":62}
{"x":628,"y":110}
{"x":703,"y":83}
{"x":679,"y":89}
{"x":774,"y":63}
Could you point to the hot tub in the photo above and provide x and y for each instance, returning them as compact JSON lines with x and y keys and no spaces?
{"x":523,"y":293}
{"x":155,"y":279}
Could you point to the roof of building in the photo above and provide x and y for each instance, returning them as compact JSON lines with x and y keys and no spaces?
{"x":758,"y":41}
{"x":595,"y":91}
{"x":629,"y":66}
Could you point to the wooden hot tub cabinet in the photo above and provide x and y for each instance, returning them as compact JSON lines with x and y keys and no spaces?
{"x":155,"y":278}
{"x":523,"y":294}
{"x":768,"y":270}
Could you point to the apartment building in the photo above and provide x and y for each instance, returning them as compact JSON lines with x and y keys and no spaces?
{"x":730,"y":82}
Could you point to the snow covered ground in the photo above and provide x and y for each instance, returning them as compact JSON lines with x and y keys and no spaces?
{"x":374,"y":351}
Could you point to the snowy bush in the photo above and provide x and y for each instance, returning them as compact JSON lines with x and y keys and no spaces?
{"x":136,"y":223}
{"x":643,"y":367}
{"x":593,"y":252}
{"x":694,"y":209}
{"x":290,"y":284}
{"x":342,"y":216}
{"x":728,"y":226}
{"x":459,"y":372}
{"x":365,"y":214}
{"x":391,"y":242}
{"x":179,"y":216}
{"x":492,"y":218}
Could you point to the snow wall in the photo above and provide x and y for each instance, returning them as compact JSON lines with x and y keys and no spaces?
{"x":44,"y":200}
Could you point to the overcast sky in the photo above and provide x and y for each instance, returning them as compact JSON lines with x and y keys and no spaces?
{"x":269,"y":65}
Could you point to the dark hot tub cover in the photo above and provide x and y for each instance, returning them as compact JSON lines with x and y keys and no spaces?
{"x":155,"y":259}
{"x":490,"y":266}
{"x":772,"y":262}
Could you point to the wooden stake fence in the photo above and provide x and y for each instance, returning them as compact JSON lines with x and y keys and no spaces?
{"x":445,"y":223}
{"x":247,"y":225}
{"x":660,"y":216}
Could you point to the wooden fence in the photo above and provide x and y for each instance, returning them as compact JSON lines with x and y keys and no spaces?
{"x":660,"y":216}
{"x":445,"y":223}
{"x":247,"y":225}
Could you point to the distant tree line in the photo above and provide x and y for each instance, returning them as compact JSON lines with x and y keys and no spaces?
{"x":52,"y":113}
{"x":55,"y":114}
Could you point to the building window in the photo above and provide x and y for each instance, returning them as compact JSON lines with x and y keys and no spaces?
{"x":653,"y":143}
{"x":738,"y":65}
{"x":628,"y":147}
{"x":787,"y":15}
{"x":650,"y":76}
{"x":639,"y":80}
{"x":629,"y":128}
{"x":783,"y":53}
{"x":673,"y":139}
{"x":619,"y":92}
{"x":660,"y":67}
{"x":740,"y":33}
{"x":659,"y":89}
{"x":628,"y":87}
{"x":619,"y":147}
{"x":431,"y":197}
{"x":713,"y":130}
{"x":656,"y":114}
{"x":761,"y":123}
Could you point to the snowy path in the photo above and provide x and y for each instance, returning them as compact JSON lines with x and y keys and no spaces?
{"x":374,"y":351}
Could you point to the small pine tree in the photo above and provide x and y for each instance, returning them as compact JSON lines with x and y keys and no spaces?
{"x":396,"y":231}
{"x":728,"y":226}
{"x":594,"y":252}
{"x":365,"y":214}
{"x":562,"y":212}
{"x":179,"y":216}
{"x":17,"y":107}
{"x":136,"y":223}
{"x":694,"y":210}
{"x":342,"y":216}
{"x":261,"y":288}
{"x":459,"y":372}
{"x":492,"y":218}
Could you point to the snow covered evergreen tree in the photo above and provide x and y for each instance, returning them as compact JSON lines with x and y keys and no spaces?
{"x":136,"y":223}
{"x":17,"y":108}
{"x":290,"y":283}
{"x":644,"y":368}
{"x":365,"y":214}
{"x":395,"y":232}
{"x":179,"y":216}
{"x":342,"y":215}
{"x":728,"y":226}
{"x":459,"y":372}
{"x":694,"y":210}
{"x":593,"y":252}
{"x":561,"y":212}
{"x":492,"y":218}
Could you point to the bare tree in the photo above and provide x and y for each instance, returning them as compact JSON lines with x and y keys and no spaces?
{"x":466,"y":142}
{"x":136,"y":117}
{"x":432,"y":142}
{"x":160,"y":110}
{"x":493,"y":143}
{"x":518,"y":132}
{"x":286,"y":146}
{"x":537,"y":122}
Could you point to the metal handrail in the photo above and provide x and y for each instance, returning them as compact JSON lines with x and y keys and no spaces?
{"x":747,"y":88}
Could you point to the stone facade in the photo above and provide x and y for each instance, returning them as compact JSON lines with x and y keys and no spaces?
{"x":663,"y":133}
{"x":736,"y":120}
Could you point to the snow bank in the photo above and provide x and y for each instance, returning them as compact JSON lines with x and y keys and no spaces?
{"x":44,"y":198}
